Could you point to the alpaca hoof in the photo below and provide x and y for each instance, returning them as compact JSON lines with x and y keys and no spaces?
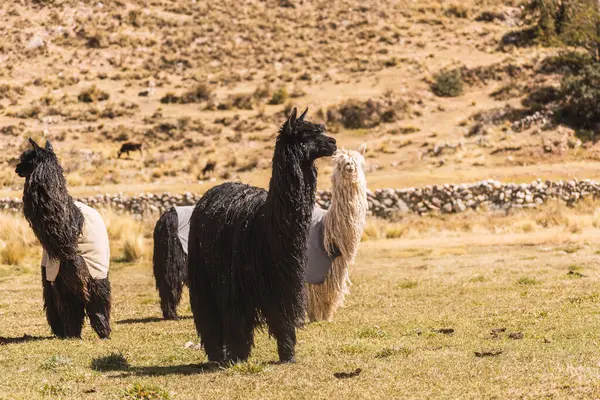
{"x":288,"y":361}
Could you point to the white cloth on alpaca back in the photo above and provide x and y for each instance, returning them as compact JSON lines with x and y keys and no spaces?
{"x":92,"y":243}
{"x":319,"y":260}
{"x":184,"y":214}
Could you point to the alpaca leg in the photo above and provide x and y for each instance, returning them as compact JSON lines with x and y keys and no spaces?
{"x":212,"y":340}
{"x":312,"y":308}
{"x":209,"y":324}
{"x":170,"y":296}
{"x":328,"y":312}
{"x":72,"y":311}
{"x":315,"y":303}
{"x":239,"y":340}
{"x":52,"y":313}
{"x":169,"y":263}
{"x":285,"y":334}
{"x":171,"y":287}
{"x":98,"y":307}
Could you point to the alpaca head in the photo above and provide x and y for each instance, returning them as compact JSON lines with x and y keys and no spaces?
{"x":308,"y":137}
{"x":33,"y":158}
{"x":349,"y":163}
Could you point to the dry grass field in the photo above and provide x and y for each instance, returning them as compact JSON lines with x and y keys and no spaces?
{"x":479,"y":305}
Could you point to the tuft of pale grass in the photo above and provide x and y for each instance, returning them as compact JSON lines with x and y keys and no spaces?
{"x":373,"y":229}
{"x":134,"y":247}
{"x":575,"y":227}
{"x":56,"y":362}
{"x":14,"y":252}
{"x":116,"y":224}
{"x":17,"y":240}
{"x":552,"y":214}
{"x":127,"y":235}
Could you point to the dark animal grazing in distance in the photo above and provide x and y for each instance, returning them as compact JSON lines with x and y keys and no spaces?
{"x":208,"y":168}
{"x":130,"y":146}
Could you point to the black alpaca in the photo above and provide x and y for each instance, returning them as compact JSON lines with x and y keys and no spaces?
{"x":208,"y":168}
{"x":247,"y":250}
{"x":129,"y":146}
{"x":58,"y":223}
{"x":170,"y":258}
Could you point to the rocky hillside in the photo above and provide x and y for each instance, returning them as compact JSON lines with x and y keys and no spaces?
{"x":440,"y":91}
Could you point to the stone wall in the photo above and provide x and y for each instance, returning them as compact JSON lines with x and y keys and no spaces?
{"x":385,"y":203}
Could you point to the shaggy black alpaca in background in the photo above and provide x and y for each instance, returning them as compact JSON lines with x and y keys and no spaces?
{"x":208,"y":168}
{"x":247,"y":250}
{"x":129,"y":146}
{"x":58,"y":222}
{"x":170,"y":257}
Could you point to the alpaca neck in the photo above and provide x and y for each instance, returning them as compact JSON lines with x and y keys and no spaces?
{"x":346,"y":215}
{"x":51,"y":213}
{"x":291,"y":198}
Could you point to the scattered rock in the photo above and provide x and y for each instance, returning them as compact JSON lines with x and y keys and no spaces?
{"x":35,"y":43}
{"x":515,"y":335}
{"x":575,"y":274}
{"x":496,"y":332}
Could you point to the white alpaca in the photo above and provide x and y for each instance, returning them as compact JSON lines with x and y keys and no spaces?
{"x":343,"y":227}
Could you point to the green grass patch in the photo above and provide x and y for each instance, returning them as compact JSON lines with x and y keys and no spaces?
{"x":408,"y":284}
{"x":113,"y":362}
{"x":387,"y":352}
{"x":141,"y":391}
{"x":524,"y":280}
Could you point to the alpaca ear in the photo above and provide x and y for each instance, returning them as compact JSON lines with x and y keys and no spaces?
{"x":292,"y":119}
{"x":362,"y":149}
{"x":303,"y":115}
{"x":34,"y":144}
{"x":290,"y":124}
{"x":49,"y":146}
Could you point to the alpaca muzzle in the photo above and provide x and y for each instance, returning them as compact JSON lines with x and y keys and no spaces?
{"x":330,"y":147}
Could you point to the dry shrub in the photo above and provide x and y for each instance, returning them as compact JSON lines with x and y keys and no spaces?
{"x":17,"y":239}
{"x":279,"y":96}
{"x":552,"y":214}
{"x":116,"y":224}
{"x":201,"y":92}
{"x":374,"y":229}
{"x":448,"y":84}
{"x":92,"y":95}
{"x":354,"y":114}
{"x":457,"y":10}
{"x":127,"y":235}
{"x":14,"y":252}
